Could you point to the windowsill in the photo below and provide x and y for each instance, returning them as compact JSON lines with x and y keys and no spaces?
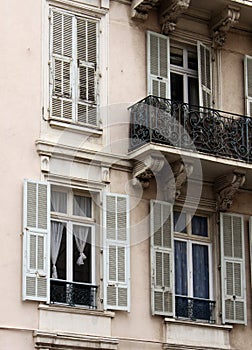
{"x":197,"y":323}
{"x":54,"y":123}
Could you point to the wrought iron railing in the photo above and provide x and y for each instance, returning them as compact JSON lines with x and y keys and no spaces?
{"x":194,"y":128}
{"x":70,"y":293}
{"x":195,"y":309}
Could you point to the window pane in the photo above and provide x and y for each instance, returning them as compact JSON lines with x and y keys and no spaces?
{"x":176,"y":56}
{"x":59,"y":202}
{"x":192,"y":60}
{"x":179,"y":222}
{"x":200,"y":271}
{"x":82,"y":206}
{"x":58,"y":250}
{"x":193,"y":91}
{"x":82,"y":263}
{"x":199,"y":226}
{"x":177,"y":87}
{"x":181,"y":287}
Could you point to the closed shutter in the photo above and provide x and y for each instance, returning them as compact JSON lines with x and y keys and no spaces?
{"x":162,"y":286}
{"x":233,"y":269}
{"x":36,"y":241}
{"x":158,"y":65}
{"x":248,"y":84}
{"x":61,"y":65}
{"x":116,"y":252}
{"x":87,"y":41}
{"x":205,"y":75}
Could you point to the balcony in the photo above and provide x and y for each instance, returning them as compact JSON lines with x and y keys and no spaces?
{"x":195,"y":309}
{"x":191,"y":128}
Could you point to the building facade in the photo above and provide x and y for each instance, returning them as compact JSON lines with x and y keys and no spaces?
{"x":126,"y":174}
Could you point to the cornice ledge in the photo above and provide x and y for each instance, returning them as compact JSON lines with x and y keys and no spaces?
{"x":221,"y":24}
{"x":226,"y":186}
{"x":140,"y":8}
{"x":171,"y":13}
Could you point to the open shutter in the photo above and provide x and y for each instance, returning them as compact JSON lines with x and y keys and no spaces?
{"x":36,"y":241}
{"x":162,"y":286}
{"x":205,"y":75}
{"x":87,"y":41}
{"x":248,"y":84}
{"x":158,"y":65}
{"x":233,"y":269}
{"x":61,"y":36}
{"x":116,"y":252}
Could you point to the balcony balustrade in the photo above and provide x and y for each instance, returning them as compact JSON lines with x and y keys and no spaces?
{"x":195,"y":309}
{"x":194,"y":128}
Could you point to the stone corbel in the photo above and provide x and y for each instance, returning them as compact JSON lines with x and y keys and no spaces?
{"x":170,"y":14}
{"x":225,"y":188}
{"x":147,"y":168}
{"x":222,"y":23}
{"x":140,"y":8}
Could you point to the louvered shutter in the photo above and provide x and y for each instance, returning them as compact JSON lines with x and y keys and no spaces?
{"x":233,"y":269}
{"x":61,"y":35}
{"x":36,"y":241}
{"x":205,"y":75}
{"x":162,"y":286}
{"x":116,"y":252}
{"x":158,"y":65}
{"x":87,"y":41}
{"x":248,"y":84}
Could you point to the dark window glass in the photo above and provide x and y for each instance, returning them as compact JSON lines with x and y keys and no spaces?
{"x":181,"y":287}
{"x":176,"y":56}
{"x":199,"y":226}
{"x":192,"y":60}
{"x":179,"y":222}
{"x":200,"y":271}
{"x":82,"y":272}
{"x":193,"y":91}
{"x":177,"y":87}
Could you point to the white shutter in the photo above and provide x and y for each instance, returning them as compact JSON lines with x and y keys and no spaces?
{"x":162,"y":286}
{"x":158,"y":65}
{"x":248,"y":84}
{"x":87,"y":58}
{"x":116,"y":252}
{"x":233,"y":269}
{"x":205,"y":75}
{"x":62,"y":48}
{"x":36,"y":221}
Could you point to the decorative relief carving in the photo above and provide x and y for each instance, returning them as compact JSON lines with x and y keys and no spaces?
{"x":170,"y":14}
{"x":147,"y":168}
{"x":225,"y":188}
{"x":222,"y":23}
{"x":140,"y":8}
{"x":45,"y":164}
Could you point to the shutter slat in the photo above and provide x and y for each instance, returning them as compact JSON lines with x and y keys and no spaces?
{"x":205,"y":75}
{"x":116,"y":256}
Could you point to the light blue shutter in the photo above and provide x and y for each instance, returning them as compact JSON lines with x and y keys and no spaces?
{"x":205,"y":75}
{"x":116,"y":252}
{"x":248,"y":84}
{"x":162,"y":271}
{"x":158,"y":65}
{"x":36,"y":240}
{"x":233,"y":269}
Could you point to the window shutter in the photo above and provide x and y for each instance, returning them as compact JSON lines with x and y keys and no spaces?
{"x":248,"y":84}
{"x":162,"y":286}
{"x":233,"y":269}
{"x":158,"y":65}
{"x":87,"y":41}
{"x":116,"y":252}
{"x":35,"y":240}
{"x":61,"y":65}
{"x":205,"y":75}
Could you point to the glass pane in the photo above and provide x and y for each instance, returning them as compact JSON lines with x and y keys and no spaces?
{"x":82,"y":206}
{"x":181,"y":287}
{"x":59,"y":201}
{"x":200,"y":271}
{"x":176,"y":56}
{"x":177,"y":87}
{"x":82,"y":267}
{"x":192,"y":60}
{"x":58,"y":249}
{"x":179,"y":222}
{"x":193,"y":91}
{"x":199,"y":226}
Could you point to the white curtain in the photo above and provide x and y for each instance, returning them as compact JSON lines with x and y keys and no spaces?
{"x":56,"y":236}
{"x":80,"y":234}
{"x":59,"y":201}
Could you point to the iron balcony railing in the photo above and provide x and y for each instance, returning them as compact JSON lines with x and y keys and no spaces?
{"x":80,"y":294}
{"x":195,"y":309}
{"x":193,"y":128}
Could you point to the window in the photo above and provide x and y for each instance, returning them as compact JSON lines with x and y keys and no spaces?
{"x":178,"y":71}
{"x":61,"y":242}
{"x":74,"y":67}
{"x":248,"y":85}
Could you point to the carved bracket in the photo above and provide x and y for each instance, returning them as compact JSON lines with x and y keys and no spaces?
{"x":222,"y":23}
{"x":225,"y":188}
{"x":171,"y":13}
{"x":146,"y":169}
{"x":140,"y":8}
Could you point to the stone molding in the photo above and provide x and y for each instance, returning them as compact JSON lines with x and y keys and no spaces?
{"x":146,"y":169}
{"x":170,"y":15}
{"x":140,"y":8}
{"x":221,"y":24}
{"x":226,"y":186}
